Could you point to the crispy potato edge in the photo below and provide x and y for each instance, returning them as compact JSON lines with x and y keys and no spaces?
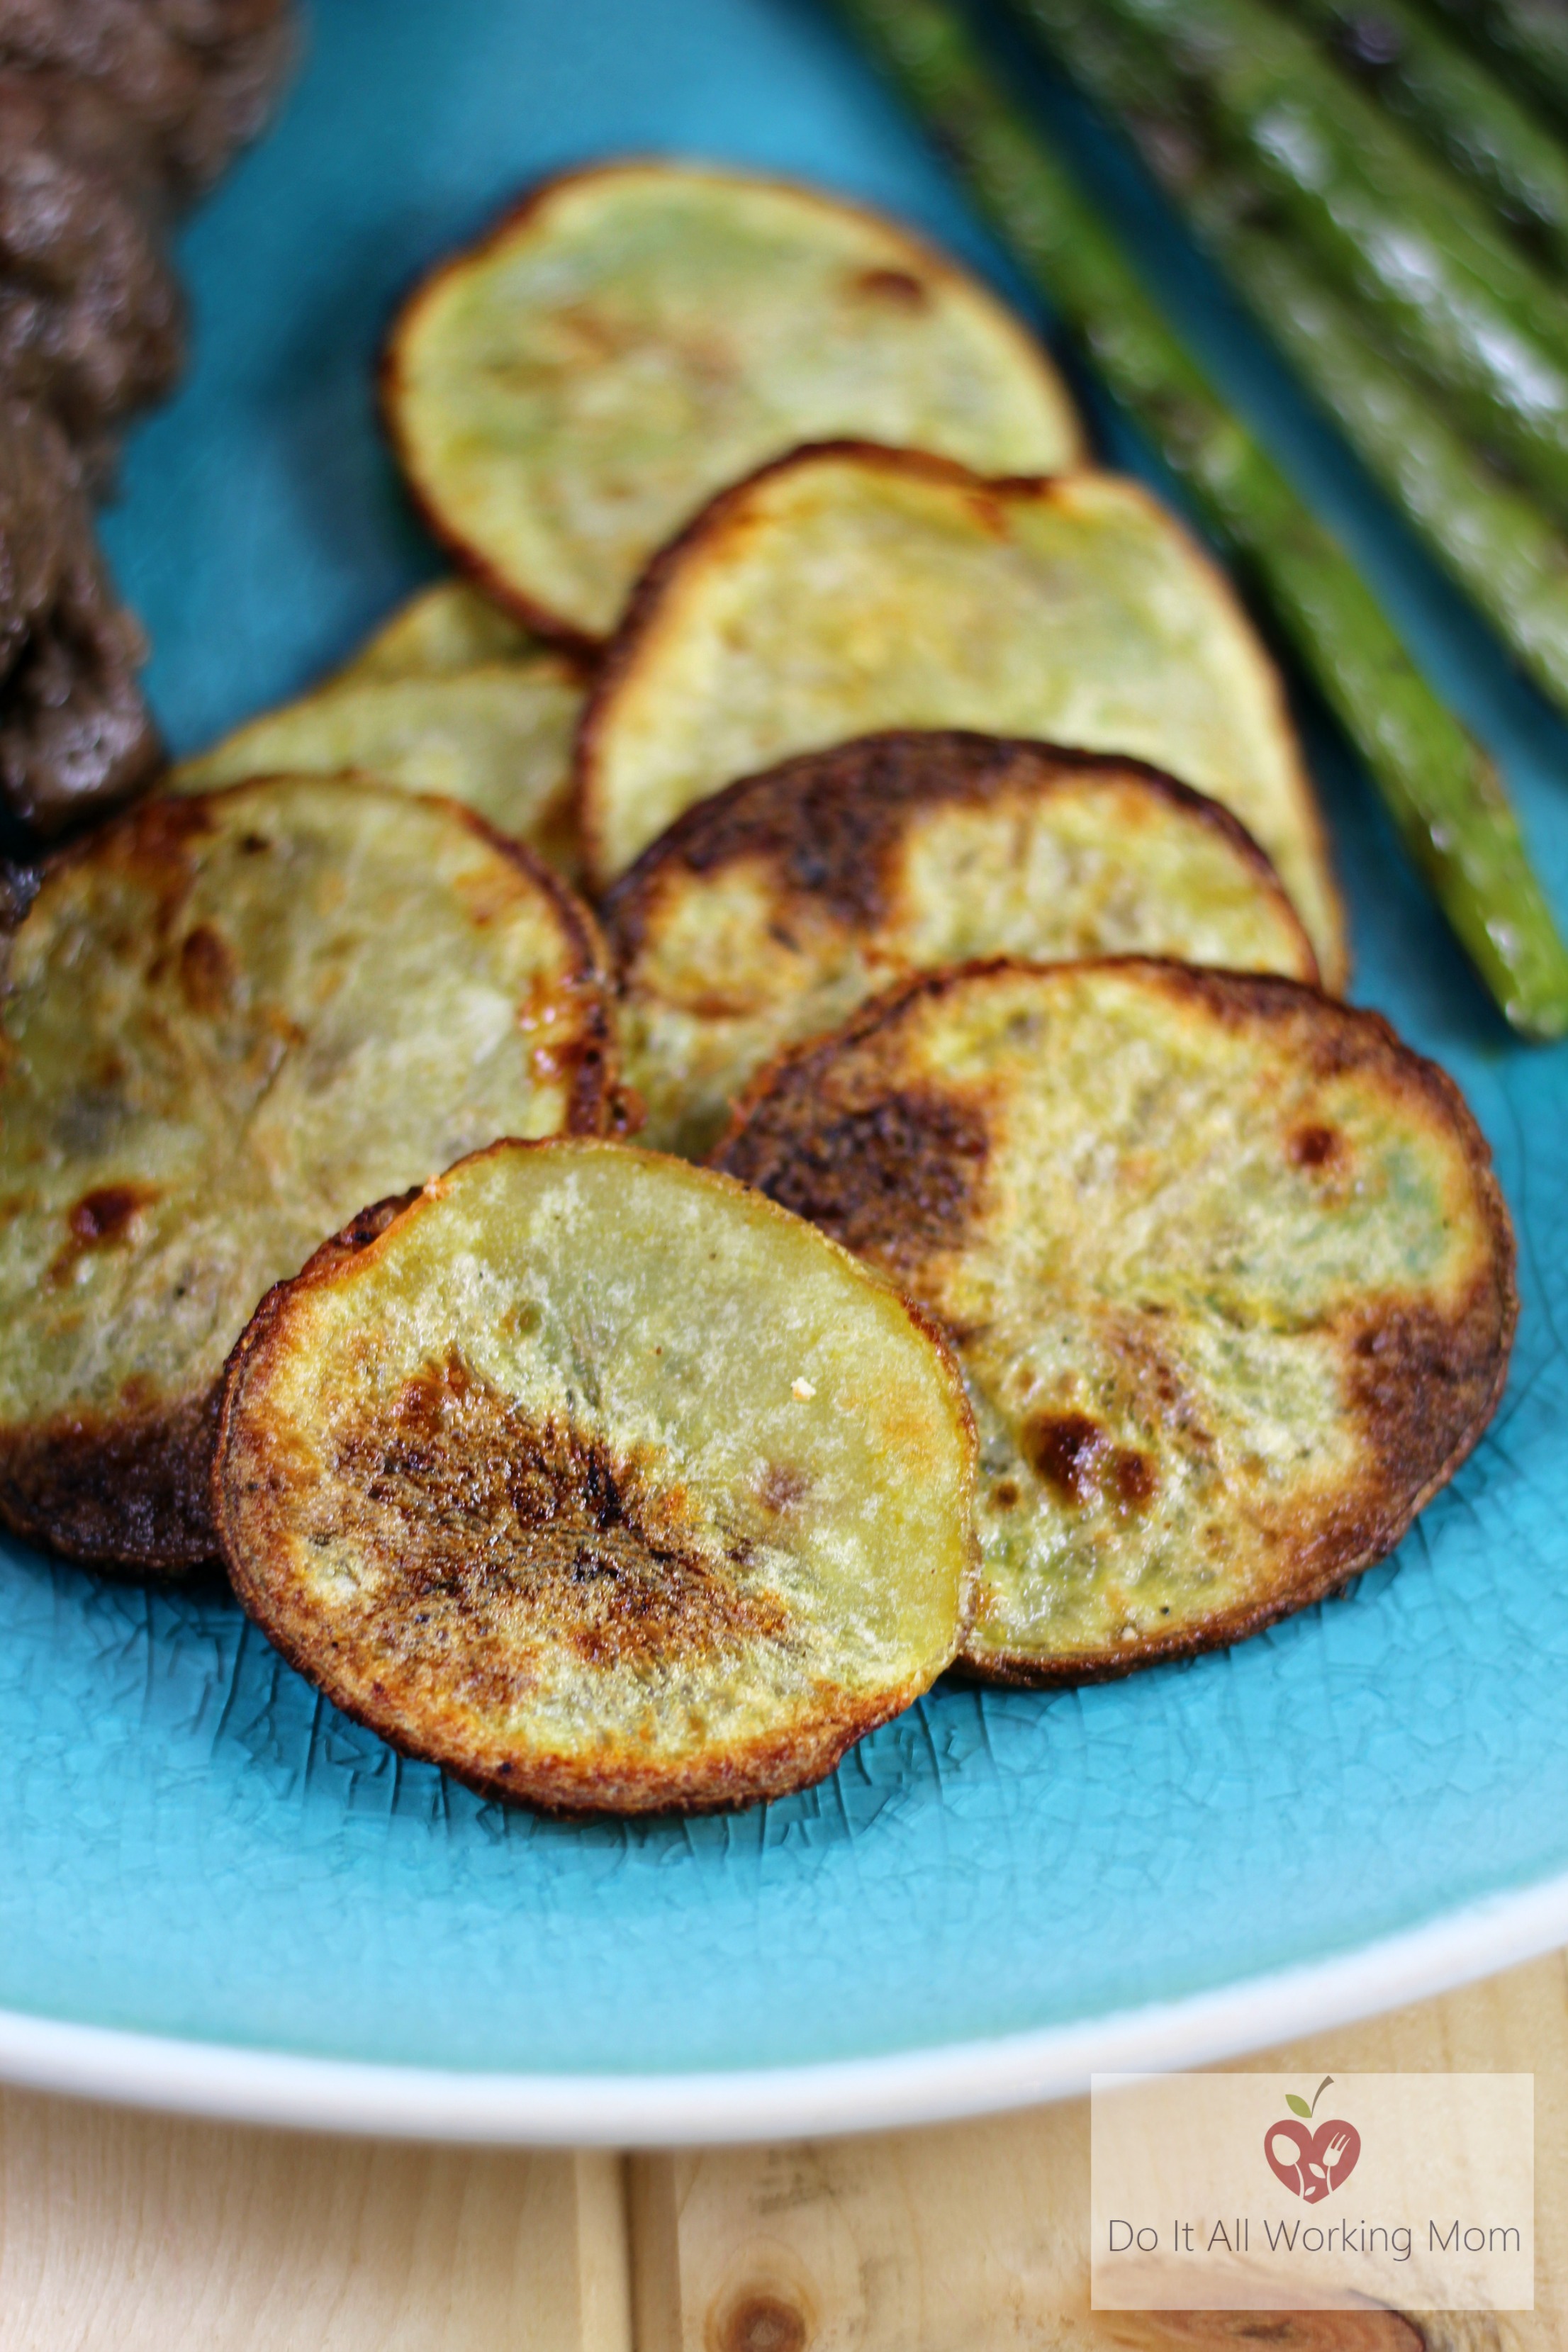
{"x":562,"y":634}
{"x":1367,"y":1540}
{"x":761,"y":1769}
{"x":126,"y":1496}
{"x":1484,"y":1327}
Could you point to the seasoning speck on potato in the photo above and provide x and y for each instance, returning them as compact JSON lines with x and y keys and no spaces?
{"x":1224,"y":1263}
{"x":602,"y":1481}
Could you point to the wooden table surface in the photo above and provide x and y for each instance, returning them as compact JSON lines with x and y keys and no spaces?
{"x":127,"y":2232}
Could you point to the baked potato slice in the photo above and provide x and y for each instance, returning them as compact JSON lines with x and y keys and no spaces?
{"x":450,"y":625}
{"x":568,"y":392}
{"x":226,"y":1021}
{"x":601,"y":1482}
{"x":497,"y":738}
{"x":845,"y":590}
{"x":1224,"y":1263}
{"x":769,"y":911}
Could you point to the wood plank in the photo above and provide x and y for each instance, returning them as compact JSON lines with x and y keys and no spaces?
{"x":976,"y":2234}
{"x":127,"y":2232}
{"x":151,"y":2235}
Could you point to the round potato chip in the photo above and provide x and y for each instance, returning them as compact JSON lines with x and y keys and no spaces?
{"x":769,"y":911}
{"x":1224,"y":1263}
{"x":497,"y":738}
{"x":847,"y":590}
{"x":601,"y":1481}
{"x":569,"y":391}
{"x":228,"y":1022}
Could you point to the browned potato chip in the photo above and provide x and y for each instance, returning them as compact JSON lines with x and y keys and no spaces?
{"x":228,"y":1021}
{"x":845,"y":590}
{"x":1224,"y":1263}
{"x":568,"y":392}
{"x":769,"y":911}
{"x":601,"y":1481}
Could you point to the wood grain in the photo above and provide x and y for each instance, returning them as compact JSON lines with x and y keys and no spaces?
{"x":977,"y":2234}
{"x":124,"y":2233}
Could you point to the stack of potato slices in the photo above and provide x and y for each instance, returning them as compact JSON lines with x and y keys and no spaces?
{"x":1074,"y":1282}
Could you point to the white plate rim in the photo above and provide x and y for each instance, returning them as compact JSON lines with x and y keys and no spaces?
{"x":890,"y":2092}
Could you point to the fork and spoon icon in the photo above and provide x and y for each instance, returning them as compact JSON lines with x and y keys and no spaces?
{"x":1311,"y":2163}
{"x":1286,"y":2156}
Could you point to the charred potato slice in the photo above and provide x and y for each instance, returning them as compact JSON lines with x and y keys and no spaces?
{"x":847,"y":590}
{"x":497,"y":737}
{"x":769,"y":912}
{"x":569,"y":391}
{"x":228,"y":1021}
{"x":446,"y":627}
{"x":1224,"y":1263}
{"x":601,"y":1481}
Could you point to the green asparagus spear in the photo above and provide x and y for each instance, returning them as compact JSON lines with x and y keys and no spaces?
{"x":1489,"y":535}
{"x":1441,"y":790}
{"x":1439,"y":87}
{"x":1449,"y":291}
{"x":1527,"y":37}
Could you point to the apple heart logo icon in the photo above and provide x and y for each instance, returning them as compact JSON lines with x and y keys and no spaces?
{"x":1311,"y":2163}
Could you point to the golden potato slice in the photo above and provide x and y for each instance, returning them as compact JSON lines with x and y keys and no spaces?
{"x":568,"y":393}
{"x":847,"y":590}
{"x":497,"y":738}
{"x":449,"y":627}
{"x":227,"y":1021}
{"x":601,"y":1481}
{"x":1224,"y":1263}
{"x":769,"y":911}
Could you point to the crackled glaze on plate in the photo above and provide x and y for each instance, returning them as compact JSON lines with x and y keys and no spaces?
{"x":195,"y":1846}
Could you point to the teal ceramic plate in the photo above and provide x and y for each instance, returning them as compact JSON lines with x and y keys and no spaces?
{"x":217,"y":1893}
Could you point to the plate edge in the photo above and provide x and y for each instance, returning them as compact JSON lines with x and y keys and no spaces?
{"x":894,"y":2091}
